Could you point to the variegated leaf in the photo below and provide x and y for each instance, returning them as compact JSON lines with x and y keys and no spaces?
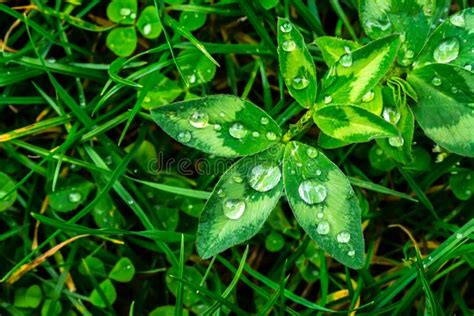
{"x":351,"y":123}
{"x":445,"y":110}
{"x":296,"y":64}
{"x":357,"y":72}
{"x":324,"y":203}
{"x":241,"y":202}
{"x":332,"y":48}
{"x":223,"y":125}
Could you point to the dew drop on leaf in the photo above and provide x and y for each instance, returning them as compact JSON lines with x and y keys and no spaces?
{"x":234,"y":208}
{"x":74,"y":197}
{"x":237,"y":179}
{"x":133,"y":15}
{"x":220,"y":193}
{"x":396,"y":141}
{"x":458,"y":19}
{"x":125,"y":11}
{"x":271,"y":136}
{"x":264,"y":177}
{"x":436,"y":81}
{"x":369,"y":96}
{"x":391,"y":115}
{"x":255,"y":134}
{"x":343,"y":237}
{"x":312,"y":152}
{"x":217,"y":127}
{"x":237,"y":130}
{"x":147,"y":29}
{"x":323,"y":228}
{"x":286,"y":27}
{"x":198,"y":119}
{"x":300,"y":82}
{"x":327,"y":99}
{"x":468,"y":67}
{"x":458,"y":235}
{"x":346,"y":60}
{"x":447,"y":51}
{"x":192,"y":78}
{"x":264,"y":120}
{"x":320,"y":215}
{"x":454,"y":89}
{"x":184,"y":137}
{"x":312,"y":191}
{"x":351,"y":253}
{"x":288,"y":45}
{"x":383,"y":24}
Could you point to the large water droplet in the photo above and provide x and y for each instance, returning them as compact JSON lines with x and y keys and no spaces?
{"x":346,"y":60}
{"x":458,"y":19}
{"x":391,"y":115}
{"x":369,"y":96}
{"x":192,"y":78}
{"x":300,"y":82}
{"x":147,"y":29}
{"x":198,"y":119}
{"x":237,"y":130}
{"x":234,"y":208}
{"x":343,"y":237}
{"x":184,"y":137}
{"x":323,"y":228}
{"x":447,"y":51}
{"x":286,"y":27}
{"x":271,"y":136}
{"x":312,"y":191}
{"x":74,"y":197}
{"x":288,"y":45}
{"x":125,"y":11}
{"x":264,"y":177}
{"x":396,"y":141}
{"x":312,"y":152}
{"x":436,"y":81}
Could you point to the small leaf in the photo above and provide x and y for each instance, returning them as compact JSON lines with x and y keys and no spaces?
{"x":167,"y":310}
{"x":122,"y":11}
{"x":123,"y":271}
{"x":333,"y":48}
{"x":109,"y":292}
{"x":192,"y":20}
{"x":69,"y":193}
{"x":190,"y":274}
{"x":358,"y":72}
{"x":144,"y":155}
{"x":106,"y":214}
{"x":161,"y":93}
{"x":445,"y":109}
{"x":92,"y":266}
{"x":324,"y":203}
{"x":28,"y":298}
{"x":149,"y":23}
{"x":6,"y":186}
{"x":462,"y":184}
{"x":223,"y":125}
{"x":296,"y":64}
{"x":274,"y":242}
{"x":268,"y":4}
{"x":352,"y":123}
{"x":379,"y":159}
{"x":196,"y":67}
{"x":240,"y":203}
{"x":122,"y":41}
{"x":452,"y":42}
{"x":51,"y":308}
{"x":411,"y":19}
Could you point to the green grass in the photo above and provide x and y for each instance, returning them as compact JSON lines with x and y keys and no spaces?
{"x":70,"y":107}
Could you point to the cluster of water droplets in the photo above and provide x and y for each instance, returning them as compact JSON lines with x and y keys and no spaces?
{"x":393,"y":116}
{"x":126,"y":12}
{"x":380,"y":24}
{"x":346,"y":59}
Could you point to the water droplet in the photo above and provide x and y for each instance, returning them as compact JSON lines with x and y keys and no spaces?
{"x":264,"y":177}
{"x":264,"y":120}
{"x":130,"y":202}
{"x":125,"y":11}
{"x":327,"y":99}
{"x":458,"y":19}
{"x":184,"y":137}
{"x":147,"y":99}
{"x":300,"y":82}
{"x":351,"y":253}
{"x":318,"y":172}
{"x":436,"y":81}
{"x":320,"y":215}
{"x":458,"y":235}
{"x":312,"y":152}
{"x":237,"y":179}
{"x":133,"y":15}
{"x":382,"y":24}
{"x":286,"y":27}
{"x":288,"y":45}
{"x":343,"y":237}
{"x":192,"y":78}
{"x":74,"y":197}
{"x":346,"y":60}
{"x":447,"y":51}
{"x":454,"y":89}
{"x":217,"y":127}
{"x":222,"y":114}
{"x":369,"y":96}
{"x":271,"y":136}
{"x":237,"y":130}
{"x":391,"y":115}
{"x":468,"y":192}
{"x":171,"y":114}
{"x":409,"y":54}
{"x":468,"y":67}
{"x":220,"y":193}
{"x":234,"y":208}
{"x":468,"y":177}
{"x":147,"y":29}
{"x":323,"y":228}
{"x":312,"y":191}
{"x":403,"y":37}
{"x":255,"y":134}
{"x":396,"y":141}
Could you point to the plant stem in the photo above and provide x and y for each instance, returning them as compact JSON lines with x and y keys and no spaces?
{"x":303,"y":123}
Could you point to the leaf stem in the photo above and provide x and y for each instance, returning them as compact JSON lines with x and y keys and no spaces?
{"x":303,"y":123}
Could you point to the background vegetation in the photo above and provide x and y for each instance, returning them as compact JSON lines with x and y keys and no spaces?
{"x":95,"y":217}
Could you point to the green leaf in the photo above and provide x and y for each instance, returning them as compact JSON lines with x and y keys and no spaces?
{"x":445,"y":109}
{"x":190,"y":274}
{"x":411,"y":19}
{"x":274,"y":242}
{"x":92,"y":266}
{"x":196,"y":67}
{"x":357,"y":72}
{"x":123,"y":271}
{"x":379,"y":159}
{"x":268,"y":4}
{"x":51,"y":308}
{"x":109,"y":292}
{"x":452,"y":42}
{"x":352,"y":123}
{"x":192,"y":21}
{"x":6,"y":186}
{"x":241,"y":202}
{"x":333,"y":48}
{"x":296,"y":64}
{"x":167,"y":310}
{"x":324,"y":203}
{"x":69,"y":193}
{"x":462,"y":184}
{"x":28,"y":298}
{"x":144,"y":155}
{"x":106,"y":214}
{"x":149,"y":23}
{"x":122,"y":11}
{"x":122,"y":41}
{"x":162,"y":92}
{"x":223,"y":125}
